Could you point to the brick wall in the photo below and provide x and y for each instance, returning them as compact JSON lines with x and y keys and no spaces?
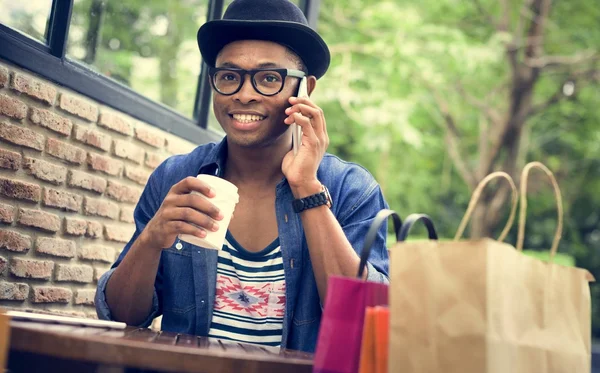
{"x":71,"y":171}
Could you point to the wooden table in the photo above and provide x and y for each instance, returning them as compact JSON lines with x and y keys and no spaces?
{"x":59,"y":348}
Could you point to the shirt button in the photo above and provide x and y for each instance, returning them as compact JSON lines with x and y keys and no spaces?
{"x":202,"y":301}
{"x":179,"y":246}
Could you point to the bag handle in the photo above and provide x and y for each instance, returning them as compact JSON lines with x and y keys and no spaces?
{"x":523,"y":212}
{"x":475,"y":198}
{"x":411,"y":220}
{"x":380,"y":218}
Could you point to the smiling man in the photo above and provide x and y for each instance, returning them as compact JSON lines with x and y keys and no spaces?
{"x":300,"y":218}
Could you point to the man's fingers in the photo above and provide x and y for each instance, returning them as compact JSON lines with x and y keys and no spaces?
{"x":305,"y":123}
{"x":182,"y":227}
{"x":185,"y":194}
{"x":314,"y":113}
{"x":302,"y":100}
{"x":190,"y":215}
{"x":199,"y":203}
{"x":306,"y":110}
{"x":191,"y":184}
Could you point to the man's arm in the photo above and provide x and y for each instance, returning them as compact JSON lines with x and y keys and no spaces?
{"x":331,"y":252}
{"x":130,"y":288}
{"x":127,"y":293}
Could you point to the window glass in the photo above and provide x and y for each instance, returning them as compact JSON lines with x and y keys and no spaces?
{"x":147,"y":45}
{"x":29,"y":17}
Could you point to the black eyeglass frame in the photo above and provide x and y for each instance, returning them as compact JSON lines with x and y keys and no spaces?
{"x":212,"y":71}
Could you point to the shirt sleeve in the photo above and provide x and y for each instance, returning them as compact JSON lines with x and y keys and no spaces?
{"x":362,"y":200}
{"x":145,"y":209}
{"x":103,"y":310}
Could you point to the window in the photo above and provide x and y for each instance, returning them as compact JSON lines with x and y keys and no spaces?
{"x":29,"y":17}
{"x":148,"y":46}
{"x":139,"y":57}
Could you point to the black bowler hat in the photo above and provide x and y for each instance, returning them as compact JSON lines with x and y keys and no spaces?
{"x":279,"y":21}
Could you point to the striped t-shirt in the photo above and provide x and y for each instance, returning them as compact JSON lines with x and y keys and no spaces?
{"x":250,"y":294}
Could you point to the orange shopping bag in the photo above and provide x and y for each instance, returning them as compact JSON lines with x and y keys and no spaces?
{"x":375,"y":341}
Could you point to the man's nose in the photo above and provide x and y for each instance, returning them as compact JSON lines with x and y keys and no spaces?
{"x":247,"y":93}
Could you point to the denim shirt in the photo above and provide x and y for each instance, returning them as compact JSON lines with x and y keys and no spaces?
{"x":184,"y":289}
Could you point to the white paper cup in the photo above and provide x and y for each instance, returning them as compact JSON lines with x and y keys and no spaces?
{"x":226,"y":198}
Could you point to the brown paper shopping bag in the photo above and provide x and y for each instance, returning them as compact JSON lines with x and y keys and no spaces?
{"x":484,"y":307}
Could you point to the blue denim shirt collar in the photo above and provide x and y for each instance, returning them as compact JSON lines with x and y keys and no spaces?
{"x":214,"y":162}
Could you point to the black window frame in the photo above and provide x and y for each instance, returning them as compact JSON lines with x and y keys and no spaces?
{"x":50,"y":62}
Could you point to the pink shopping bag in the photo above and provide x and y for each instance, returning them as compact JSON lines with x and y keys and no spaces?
{"x":340,"y":334}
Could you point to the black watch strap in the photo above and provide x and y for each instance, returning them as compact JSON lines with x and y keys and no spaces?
{"x":315,"y":200}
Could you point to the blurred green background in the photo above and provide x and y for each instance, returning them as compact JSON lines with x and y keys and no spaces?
{"x":430,"y":96}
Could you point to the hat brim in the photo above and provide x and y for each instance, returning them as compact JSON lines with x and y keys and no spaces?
{"x":303,"y":40}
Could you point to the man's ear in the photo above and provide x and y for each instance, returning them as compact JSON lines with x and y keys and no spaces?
{"x":311,"y":83}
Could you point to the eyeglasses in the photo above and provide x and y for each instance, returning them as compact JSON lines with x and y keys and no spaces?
{"x":267,"y":82}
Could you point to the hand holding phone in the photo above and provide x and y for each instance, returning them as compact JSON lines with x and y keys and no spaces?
{"x":296,"y":129}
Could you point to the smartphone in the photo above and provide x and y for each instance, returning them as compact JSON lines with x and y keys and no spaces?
{"x":296,"y":129}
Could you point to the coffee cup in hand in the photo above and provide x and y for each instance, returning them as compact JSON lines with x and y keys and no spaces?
{"x":226,"y":198}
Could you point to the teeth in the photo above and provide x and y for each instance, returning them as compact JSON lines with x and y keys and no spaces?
{"x":247,"y":118}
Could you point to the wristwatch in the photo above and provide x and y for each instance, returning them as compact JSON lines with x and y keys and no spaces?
{"x":319,"y":199}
